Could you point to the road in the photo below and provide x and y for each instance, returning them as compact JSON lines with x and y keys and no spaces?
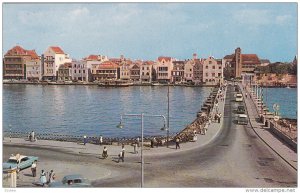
{"x":235,"y":158}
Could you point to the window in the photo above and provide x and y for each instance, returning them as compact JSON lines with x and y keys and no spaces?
{"x":206,"y":74}
{"x":209,"y":62}
{"x":213,"y":74}
{"x":206,"y":67}
{"x":213,"y":67}
{"x":190,"y":70}
{"x":74,"y":71}
{"x":83,"y":71}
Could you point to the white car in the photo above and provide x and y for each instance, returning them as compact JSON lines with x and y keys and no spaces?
{"x":239,"y":97}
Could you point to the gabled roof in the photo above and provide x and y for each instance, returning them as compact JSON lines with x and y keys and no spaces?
{"x":18,"y":50}
{"x":57,"y":50}
{"x":161,"y":58}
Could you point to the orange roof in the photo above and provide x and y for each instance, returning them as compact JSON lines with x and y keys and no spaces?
{"x":108,"y":65}
{"x":18,"y":50}
{"x":33,"y":54}
{"x":250,"y":58}
{"x":57,"y":50}
{"x":148,"y":63}
{"x":92,"y":57}
{"x":167,"y":59}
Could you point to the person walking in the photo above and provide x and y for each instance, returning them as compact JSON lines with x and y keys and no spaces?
{"x":43,"y":179}
{"x":104,"y":153}
{"x":33,"y":169}
{"x":51,"y":177}
{"x":246,"y":95}
{"x":100,"y":140}
{"x":84,"y":139}
{"x":32,"y":136}
{"x":177,"y":143}
{"x":123,"y":152}
{"x":135,"y":148}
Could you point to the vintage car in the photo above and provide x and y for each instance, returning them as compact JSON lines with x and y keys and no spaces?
{"x":242,"y":119}
{"x":240,"y":109}
{"x":19,"y":162}
{"x":239,"y":97}
{"x":71,"y":181}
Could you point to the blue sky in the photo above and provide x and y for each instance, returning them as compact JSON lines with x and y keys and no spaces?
{"x":148,"y":30}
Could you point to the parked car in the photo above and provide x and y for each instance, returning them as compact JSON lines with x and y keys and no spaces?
{"x":241,"y":109}
{"x":242,"y":119}
{"x":19,"y":161}
{"x":71,"y":181}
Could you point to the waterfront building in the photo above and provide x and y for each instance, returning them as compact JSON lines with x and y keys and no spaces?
{"x":198,"y":71}
{"x":91,"y":62}
{"x":105,"y":71}
{"x":163,"y":67}
{"x":146,"y":71}
{"x":125,"y":70}
{"x":134,"y":72}
{"x":79,"y":70}
{"x":117,"y":61}
{"x":178,"y":72}
{"x":54,"y":56}
{"x":14,"y":62}
{"x":33,"y":67}
{"x":242,"y":63}
{"x":65,"y":72}
{"x":189,"y":70}
{"x":213,"y":71}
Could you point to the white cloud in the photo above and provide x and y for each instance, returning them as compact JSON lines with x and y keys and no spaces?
{"x":77,"y":12}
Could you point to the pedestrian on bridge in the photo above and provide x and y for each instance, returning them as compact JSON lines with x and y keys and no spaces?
{"x":100,"y":140}
{"x":177,"y":143}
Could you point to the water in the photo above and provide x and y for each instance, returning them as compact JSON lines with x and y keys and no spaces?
{"x":285,"y":97}
{"x":94,"y":111}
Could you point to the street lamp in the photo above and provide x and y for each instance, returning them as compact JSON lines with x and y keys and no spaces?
{"x":168,"y":115}
{"x":9,"y":132}
{"x":142,"y":115}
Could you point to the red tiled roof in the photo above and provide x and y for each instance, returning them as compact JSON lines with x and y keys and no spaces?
{"x":167,"y":59}
{"x":108,"y":65}
{"x":92,"y":57}
{"x":33,"y":54}
{"x":57,"y":50}
{"x":148,"y":63}
{"x":66,"y":65}
{"x":250,"y":58}
{"x":18,"y":50}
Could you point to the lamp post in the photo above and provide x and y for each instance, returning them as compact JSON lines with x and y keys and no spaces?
{"x":142,"y":115}
{"x":9,"y":132}
{"x":168,"y":116}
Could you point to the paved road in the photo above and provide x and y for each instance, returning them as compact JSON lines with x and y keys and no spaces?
{"x":235,"y":158}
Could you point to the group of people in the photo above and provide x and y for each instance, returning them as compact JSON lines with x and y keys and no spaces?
{"x":47,"y":179}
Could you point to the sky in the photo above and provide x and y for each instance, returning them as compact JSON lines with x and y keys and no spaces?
{"x":148,"y":30}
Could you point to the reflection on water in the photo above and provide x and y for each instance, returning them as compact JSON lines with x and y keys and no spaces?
{"x":92,"y":110}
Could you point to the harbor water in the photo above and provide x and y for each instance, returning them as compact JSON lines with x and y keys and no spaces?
{"x":94,"y":111}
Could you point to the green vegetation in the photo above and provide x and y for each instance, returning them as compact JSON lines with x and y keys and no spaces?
{"x":278,"y":68}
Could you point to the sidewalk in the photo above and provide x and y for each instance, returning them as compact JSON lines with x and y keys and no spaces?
{"x":213,"y":130}
{"x":266,"y":136}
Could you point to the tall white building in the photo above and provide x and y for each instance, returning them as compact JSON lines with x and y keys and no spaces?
{"x":79,"y":71}
{"x":163,"y":67}
{"x":54,"y":56}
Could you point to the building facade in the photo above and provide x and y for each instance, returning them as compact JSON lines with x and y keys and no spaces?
{"x":33,"y":68}
{"x":135,"y":72}
{"x":105,"y":71}
{"x":15,"y":60}
{"x":146,"y":71}
{"x":164,"y":66}
{"x":54,"y":56}
{"x":178,"y":72}
{"x":64,"y":72}
{"x":213,"y":71}
{"x":79,"y":71}
{"x":198,"y":71}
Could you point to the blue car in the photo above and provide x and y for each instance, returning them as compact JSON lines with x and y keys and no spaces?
{"x":19,"y":162}
{"x":71,"y":181}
